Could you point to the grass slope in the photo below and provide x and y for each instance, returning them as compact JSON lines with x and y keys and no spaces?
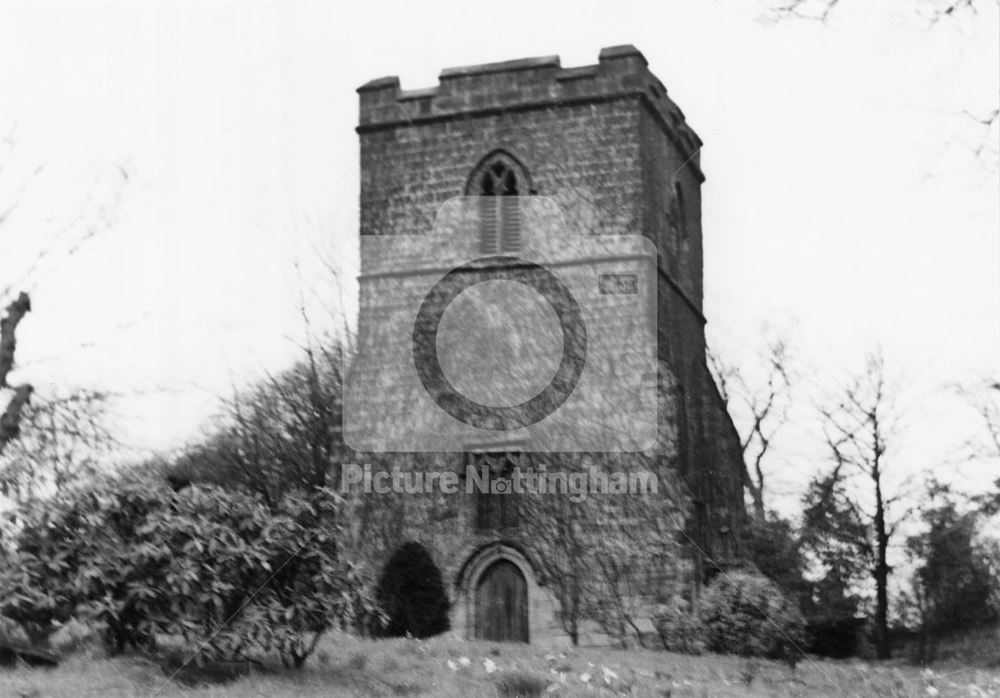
{"x":446,"y":668}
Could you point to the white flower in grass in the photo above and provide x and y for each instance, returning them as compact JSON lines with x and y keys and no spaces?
{"x":452,"y":665}
{"x":464,"y":661}
{"x":489,"y":665}
{"x":585,"y":677}
{"x":931,"y":691}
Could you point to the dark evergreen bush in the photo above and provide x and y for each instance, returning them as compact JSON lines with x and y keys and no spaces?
{"x":412,"y":594}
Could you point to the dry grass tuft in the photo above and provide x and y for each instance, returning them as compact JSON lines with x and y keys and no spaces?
{"x":521,"y":684}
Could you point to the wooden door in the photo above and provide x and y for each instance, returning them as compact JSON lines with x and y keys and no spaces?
{"x":502,"y":604}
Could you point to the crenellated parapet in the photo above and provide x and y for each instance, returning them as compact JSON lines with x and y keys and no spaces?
{"x":524,"y":84}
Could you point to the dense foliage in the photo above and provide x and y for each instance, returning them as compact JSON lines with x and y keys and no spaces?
{"x":956,"y":586}
{"x":678,"y":626}
{"x":748,"y":615}
{"x":217,"y":567}
{"x":775,"y":550}
{"x":279,"y":435}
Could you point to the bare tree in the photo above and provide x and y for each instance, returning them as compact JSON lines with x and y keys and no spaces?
{"x":932,"y":10}
{"x":984,"y":397}
{"x":850,"y":507}
{"x":64,"y":240}
{"x":759,"y":408}
{"x":63,"y":439}
{"x":279,"y":435}
{"x":929,"y":12}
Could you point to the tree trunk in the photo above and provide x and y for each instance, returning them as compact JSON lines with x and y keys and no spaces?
{"x":923,"y":646}
{"x":882,"y":648}
{"x":756,"y":492}
{"x":11,"y":417}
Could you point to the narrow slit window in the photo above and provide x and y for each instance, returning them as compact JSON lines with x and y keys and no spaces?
{"x":677,"y":214}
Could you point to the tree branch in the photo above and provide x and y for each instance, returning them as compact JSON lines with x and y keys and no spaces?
{"x":11,"y":418}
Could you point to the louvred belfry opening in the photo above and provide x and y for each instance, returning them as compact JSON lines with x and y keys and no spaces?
{"x":497,"y":180}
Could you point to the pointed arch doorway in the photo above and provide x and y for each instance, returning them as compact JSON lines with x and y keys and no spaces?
{"x":501,"y":603}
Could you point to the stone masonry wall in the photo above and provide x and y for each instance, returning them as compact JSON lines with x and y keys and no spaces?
{"x":607,"y":143}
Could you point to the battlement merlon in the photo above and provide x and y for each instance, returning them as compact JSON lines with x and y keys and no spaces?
{"x":527,"y":83}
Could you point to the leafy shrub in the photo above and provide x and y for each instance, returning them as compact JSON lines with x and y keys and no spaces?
{"x":412,"y":594}
{"x":73,"y":635}
{"x":11,"y":632}
{"x":251,"y":576}
{"x":216,"y":567}
{"x":61,"y":555}
{"x":747,"y":614}
{"x":679,"y":627}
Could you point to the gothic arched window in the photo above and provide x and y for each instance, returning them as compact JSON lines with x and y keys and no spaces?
{"x":499,"y":179}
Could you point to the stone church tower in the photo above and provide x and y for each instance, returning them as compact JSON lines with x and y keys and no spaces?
{"x":607,"y":143}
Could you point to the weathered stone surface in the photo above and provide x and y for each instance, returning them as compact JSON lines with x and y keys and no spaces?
{"x":609,"y":146}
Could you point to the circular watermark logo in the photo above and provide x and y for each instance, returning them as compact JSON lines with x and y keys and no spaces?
{"x":428,"y":363}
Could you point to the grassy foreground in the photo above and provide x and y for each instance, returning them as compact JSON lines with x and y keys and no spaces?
{"x":347,"y":666}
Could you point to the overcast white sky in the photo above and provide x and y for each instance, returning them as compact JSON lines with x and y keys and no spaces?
{"x":843,"y":189}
